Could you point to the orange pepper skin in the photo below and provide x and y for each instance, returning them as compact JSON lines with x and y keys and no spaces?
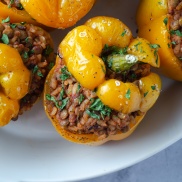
{"x":150,"y":87}
{"x":82,"y":60}
{"x":14,"y":83}
{"x":154,"y":10}
{"x":113,"y":93}
{"x":111,"y":29}
{"x":8,"y":109}
{"x":15,"y":15}
{"x":141,"y":48}
{"x":57,"y":13}
{"x":154,"y":28}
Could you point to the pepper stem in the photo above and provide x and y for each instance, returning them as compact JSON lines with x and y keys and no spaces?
{"x":119,"y":63}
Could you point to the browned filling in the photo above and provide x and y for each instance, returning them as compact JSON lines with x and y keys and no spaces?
{"x":79,"y":110}
{"x":13,"y":3}
{"x":175,"y":9}
{"x":35,"y":48}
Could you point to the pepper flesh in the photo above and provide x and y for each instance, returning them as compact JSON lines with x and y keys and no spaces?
{"x":57,"y":13}
{"x":15,"y":15}
{"x":84,"y":45}
{"x":155,"y":27}
{"x":14,"y":82}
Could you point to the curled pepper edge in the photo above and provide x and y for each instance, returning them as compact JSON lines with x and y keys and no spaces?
{"x":19,"y":16}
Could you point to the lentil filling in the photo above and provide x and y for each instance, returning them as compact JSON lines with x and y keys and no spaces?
{"x":13,"y":3}
{"x":175,"y":9}
{"x":79,"y":110}
{"x":35,"y":48}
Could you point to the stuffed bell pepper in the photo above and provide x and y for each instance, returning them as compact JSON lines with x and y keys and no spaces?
{"x":101,"y":85}
{"x":160,"y":22}
{"x":26,"y":55}
{"x":57,"y":13}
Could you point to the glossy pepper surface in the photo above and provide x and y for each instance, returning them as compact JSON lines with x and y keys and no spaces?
{"x":81,"y":52}
{"x":153,"y":24}
{"x":57,"y":13}
{"x":14,"y":83}
{"x":15,"y":15}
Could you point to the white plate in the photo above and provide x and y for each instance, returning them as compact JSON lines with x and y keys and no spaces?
{"x":30,"y":149}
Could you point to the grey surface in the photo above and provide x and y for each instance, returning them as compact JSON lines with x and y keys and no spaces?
{"x":165,"y":166}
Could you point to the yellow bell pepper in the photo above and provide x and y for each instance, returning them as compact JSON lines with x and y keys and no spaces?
{"x":15,"y":15}
{"x":57,"y":13}
{"x":82,"y":51}
{"x":153,"y":20}
{"x":14,"y":83}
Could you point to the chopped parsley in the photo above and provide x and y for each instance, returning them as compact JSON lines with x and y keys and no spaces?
{"x":62,"y":92}
{"x":171,"y":43}
{"x":123,"y":33}
{"x":48,"y":50}
{"x":98,"y":110}
{"x":153,"y":87}
{"x":176,"y":32}
{"x":10,"y":3}
{"x":51,"y":64}
{"x":145,"y":94}
{"x":65,"y":74}
{"x":136,"y":45}
{"x":80,"y":99}
{"x":5,"y":39}
{"x":103,"y":69}
{"x":13,"y":25}
{"x":155,"y":47}
{"x":128,"y":94}
{"x":78,"y":88}
{"x":92,"y":114}
{"x":37,"y":71}
{"x":6,"y":20}
{"x":63,"y":102}
{"x":165,"y":21}
{"x":25,"y":55}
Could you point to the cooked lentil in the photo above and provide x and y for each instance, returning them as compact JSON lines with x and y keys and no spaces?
{"x":175,"y":9}
{"x":13,"y":3}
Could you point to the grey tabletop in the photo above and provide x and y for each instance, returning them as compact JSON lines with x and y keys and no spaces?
{"x":165,"y":166}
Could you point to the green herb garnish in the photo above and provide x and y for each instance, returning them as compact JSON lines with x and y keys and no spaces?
{"x":97,"y":109}
{"x":37,"y":71}
{"x":123,"y":33}
{"x":156,"y":47}
{"x":80,"y":99}
{"x":5,"y":39}
{"x":165,"y":21}
{"x":78,"y":88}
{"x":63,"y":102}
{"x":12,"y":25}
{"x":153,"y":87}
{"x":145,"y":94}
{"x":136,"y":45}
{"x":48,"y":50}
{"x":6,"y":20}
{"x":128,"y":94}
{"x":176,"y":32}
{"x":65,"y":74}
{"x":10,"y":3}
